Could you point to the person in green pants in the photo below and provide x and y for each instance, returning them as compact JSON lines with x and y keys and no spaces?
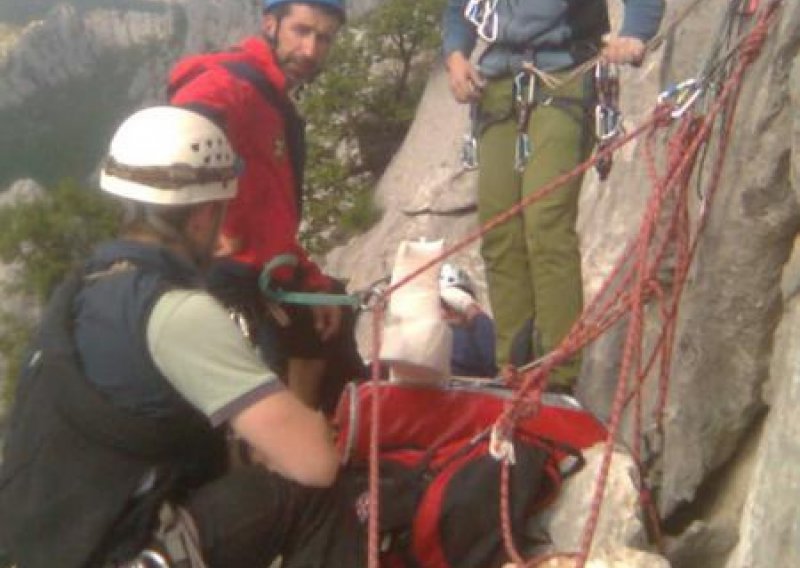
{"x":528,"y":132}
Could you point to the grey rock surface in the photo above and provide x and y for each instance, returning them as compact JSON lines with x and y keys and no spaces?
{"x":714,"y":455}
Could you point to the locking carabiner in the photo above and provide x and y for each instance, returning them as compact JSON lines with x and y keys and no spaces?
{"x":682,"y":96}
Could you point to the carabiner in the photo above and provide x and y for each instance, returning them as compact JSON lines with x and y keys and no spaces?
{"x":500,"y":447}
{"x":606,"y":81}
{"x":151,"y":559}
{"x":489,"y":28}
{"x":469,"y":152}
{"x":685,"y":94}
{"x":607,"y":123}
{"x":519,"y":87}
{"x":473,"y":11}
{"x":483,"y":15}
{"x":523,"y":151}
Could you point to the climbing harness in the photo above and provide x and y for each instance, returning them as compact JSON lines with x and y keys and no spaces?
{"x":607,"y":116}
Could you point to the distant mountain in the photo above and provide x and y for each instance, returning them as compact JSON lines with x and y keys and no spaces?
{"x":24,"y":11}
{"x":69,"y":72}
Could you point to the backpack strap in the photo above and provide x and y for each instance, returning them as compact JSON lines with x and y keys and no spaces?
{"x":295,"y":125}
{"x":86,"y":409}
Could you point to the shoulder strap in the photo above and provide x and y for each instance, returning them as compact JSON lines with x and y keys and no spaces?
{"x":85,"y":408}
{"x":295,"y":125}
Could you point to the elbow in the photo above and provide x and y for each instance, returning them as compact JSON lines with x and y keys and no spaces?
{"x":321,"y":474}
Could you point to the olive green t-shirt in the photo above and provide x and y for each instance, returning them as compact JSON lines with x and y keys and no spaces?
{"x":202,"y":353}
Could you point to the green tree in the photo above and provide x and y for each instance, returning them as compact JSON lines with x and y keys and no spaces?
{"x":44,"y":239}
{"x":359,"y":112}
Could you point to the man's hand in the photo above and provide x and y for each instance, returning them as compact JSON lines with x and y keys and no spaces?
{"x":621,"y":50}
{"x":327,"y":320}
{"x":462,"y":306}
{"x":466,"y":83}
{"x":227,"y":245}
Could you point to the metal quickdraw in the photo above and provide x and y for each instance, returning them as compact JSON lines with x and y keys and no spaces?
{"x":469,"y":147}
{"x":682,"y":96}
{"x":373,"y":294}
{"x":607,"y":116}
{"x":524,"y":94}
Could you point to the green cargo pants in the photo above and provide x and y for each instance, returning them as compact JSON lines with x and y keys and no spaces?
{"x":532,"y":261}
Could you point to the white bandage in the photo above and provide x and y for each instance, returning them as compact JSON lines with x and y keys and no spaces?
{"x":417,"y":342}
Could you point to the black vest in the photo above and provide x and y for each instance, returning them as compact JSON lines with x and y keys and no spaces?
{"x":72,"y":491}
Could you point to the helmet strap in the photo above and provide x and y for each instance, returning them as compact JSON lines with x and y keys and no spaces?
{"x":140,"y":220}
{"x":168,"y":232}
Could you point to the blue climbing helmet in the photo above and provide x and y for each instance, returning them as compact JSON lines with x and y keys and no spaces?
{"x":336,"y":5}
{"x":452,"y":276}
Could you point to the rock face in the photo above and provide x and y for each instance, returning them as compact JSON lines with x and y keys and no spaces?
{"x":728,"y":484}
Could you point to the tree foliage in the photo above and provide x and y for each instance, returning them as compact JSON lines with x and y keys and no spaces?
{"x":359,"y":112}
{"x":43,"y":239}
{"x":46,"y":237}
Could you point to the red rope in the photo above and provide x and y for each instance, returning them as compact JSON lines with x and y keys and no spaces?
{"x":626,"y":291}
{"x":727,"y":99}
{"x":373,"y":529}
{"x":683,"y":151}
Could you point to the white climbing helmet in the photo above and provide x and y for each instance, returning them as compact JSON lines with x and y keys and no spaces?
{"x":451,"y":276}
{"x":170,"y":156}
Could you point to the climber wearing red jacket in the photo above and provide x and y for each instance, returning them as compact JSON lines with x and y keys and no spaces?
{"x":246,"y":90}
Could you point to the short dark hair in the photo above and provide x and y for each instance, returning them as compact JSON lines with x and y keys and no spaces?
{"x":281,"y":10}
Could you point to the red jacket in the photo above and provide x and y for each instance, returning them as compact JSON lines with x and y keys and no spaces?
{"x":265,"y":214}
